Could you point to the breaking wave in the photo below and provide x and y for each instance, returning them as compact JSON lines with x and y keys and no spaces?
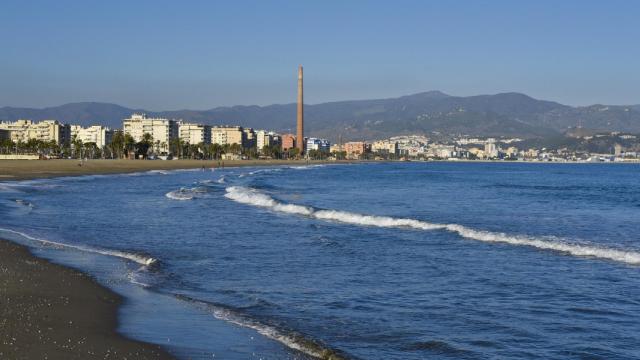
{"x":255,"y":198}
{"x":137,"y":258}
{"x":181,"y":194}
{"x":161,"y":172}
{"x":290,"y":339}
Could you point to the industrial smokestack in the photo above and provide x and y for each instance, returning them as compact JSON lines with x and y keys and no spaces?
{"x":300,"y":134}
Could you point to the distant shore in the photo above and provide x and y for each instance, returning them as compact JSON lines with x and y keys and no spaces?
{"x":35,"y":169}
{"x":48,"y":311}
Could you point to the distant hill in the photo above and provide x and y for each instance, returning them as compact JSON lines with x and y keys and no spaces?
{"x":506,"y":114}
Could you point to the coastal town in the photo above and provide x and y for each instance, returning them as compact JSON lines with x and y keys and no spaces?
{"x":145,"y":137}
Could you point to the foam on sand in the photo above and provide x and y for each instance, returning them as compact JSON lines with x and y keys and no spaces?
{"x":137,"y":258}
{"x":255,"y":198}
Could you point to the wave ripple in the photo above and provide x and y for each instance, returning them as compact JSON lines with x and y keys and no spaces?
{"x":256,"y":198}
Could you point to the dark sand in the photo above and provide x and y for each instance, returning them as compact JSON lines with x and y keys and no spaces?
{"x":34,"y":169}
{"x":51,"y":312}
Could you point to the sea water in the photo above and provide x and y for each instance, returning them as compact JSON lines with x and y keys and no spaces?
{"x":365,"y":261}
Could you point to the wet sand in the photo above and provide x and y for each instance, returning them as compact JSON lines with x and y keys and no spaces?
{"x":34,"y":169}
{"x":48,"y":311}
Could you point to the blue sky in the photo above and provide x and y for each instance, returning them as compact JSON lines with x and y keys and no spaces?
{"x":162,"y":55}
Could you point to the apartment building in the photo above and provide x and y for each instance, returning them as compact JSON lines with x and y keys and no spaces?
{"x":288,"y":141}
{"x":224,"y":135}
{"x":385,"y":147}
{"x":195,"y":133}
{"x":161,"y":130}
{"x":45,"y":130}
{"x":97,"y":134}
{"x":355,"y":149}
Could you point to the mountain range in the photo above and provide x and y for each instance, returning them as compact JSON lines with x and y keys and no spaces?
{"x":505,"y":114}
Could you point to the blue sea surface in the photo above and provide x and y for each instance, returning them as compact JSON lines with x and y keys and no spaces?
{"x":368,"y":261}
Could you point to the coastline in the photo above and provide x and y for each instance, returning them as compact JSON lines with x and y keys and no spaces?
{"x":58,"y":312}
{"x":38,"y":169}
{"x":16,"y":170}
{"x":55,"y":312}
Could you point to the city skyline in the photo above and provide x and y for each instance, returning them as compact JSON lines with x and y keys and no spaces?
{"x":202,"y":55}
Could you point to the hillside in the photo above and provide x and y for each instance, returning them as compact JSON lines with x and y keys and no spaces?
{"x":507,"y":114}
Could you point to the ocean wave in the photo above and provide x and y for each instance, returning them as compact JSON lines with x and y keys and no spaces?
{"x":23,"y":203}
{"x":180,"y":194}
{"x":161,"y":172}
{"x":290,"y":339}
{"x":255,"y":198}
{"x":137,"y":258}
{"x":306,"y":167}
{"x":189,"y":193}
{"x":26,"y":186}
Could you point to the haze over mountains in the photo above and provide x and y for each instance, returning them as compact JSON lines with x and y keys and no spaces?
{"x":506,"y":114}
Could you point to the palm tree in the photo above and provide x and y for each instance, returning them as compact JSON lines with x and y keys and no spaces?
{"x":129,"y":143}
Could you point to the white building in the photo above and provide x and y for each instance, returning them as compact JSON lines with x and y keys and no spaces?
{"x":161,"y":130}
{"x":318,"y":144}
{"x":490,"y":150}
{"x":97,"y":134}
{"x":263,"y":138}
{"x":45,"y":130}
{"x":443,"y":151}
{"x":195,"y":133}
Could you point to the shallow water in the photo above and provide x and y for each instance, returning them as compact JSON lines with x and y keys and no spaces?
{"x":393,"y":261}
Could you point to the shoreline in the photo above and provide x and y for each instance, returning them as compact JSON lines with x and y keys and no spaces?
{"x":71,"y":296}
{"x":56,"y":312}
{"x":16,"y":170}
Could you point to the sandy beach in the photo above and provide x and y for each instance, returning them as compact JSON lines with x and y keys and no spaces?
{"x":48,"y":311}
{"x":34,"y":169}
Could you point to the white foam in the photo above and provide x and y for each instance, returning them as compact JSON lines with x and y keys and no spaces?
{"x":221,"y":180}
{"x":140,"y":259}
{"x":161,"y":172}
{"x":252,"y":197}
{"x":292,"y":341}
{"x":256,"y":198}
{"x":179,"y":195}
{"x":306,"y":167}
{"x":372,"y":220}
